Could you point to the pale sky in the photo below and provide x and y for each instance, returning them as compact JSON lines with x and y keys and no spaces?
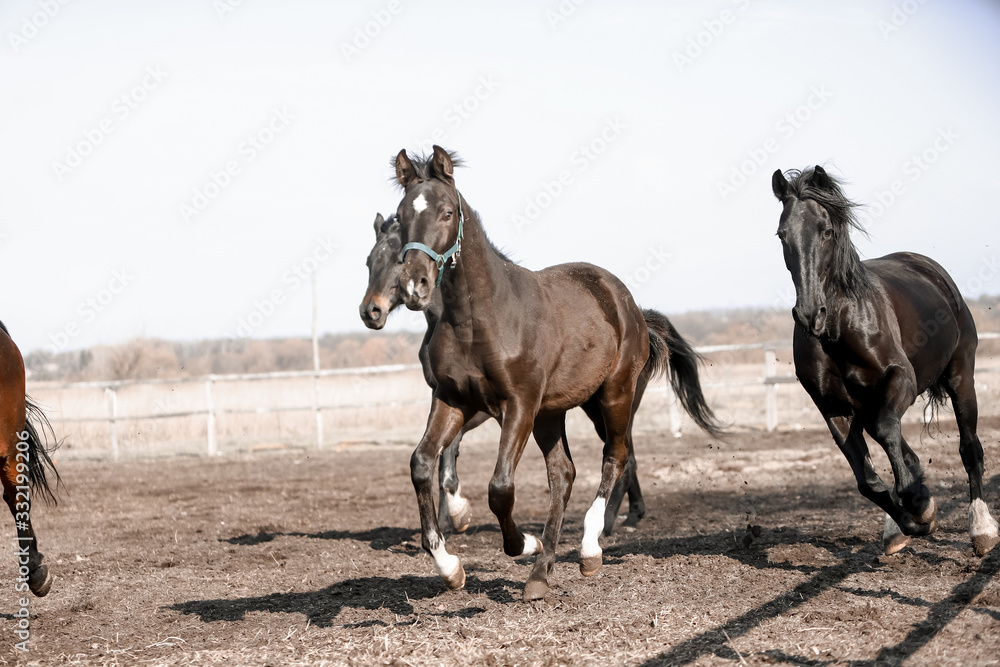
{"x":172,"y":169}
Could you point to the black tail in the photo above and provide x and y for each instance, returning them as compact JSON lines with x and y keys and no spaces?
{"x":937,"y":396}
{"x":668,"y":351}
{"x":40,"y":433}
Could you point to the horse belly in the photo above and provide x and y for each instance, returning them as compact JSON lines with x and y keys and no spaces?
{"x":578,"y":375}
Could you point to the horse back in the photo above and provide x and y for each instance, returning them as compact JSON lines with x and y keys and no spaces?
{"x":933,"y":318}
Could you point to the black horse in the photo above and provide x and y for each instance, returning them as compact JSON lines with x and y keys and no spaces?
{"x":524,"y":347}
{"x":383,"y":296}
{"x":869,"y":338}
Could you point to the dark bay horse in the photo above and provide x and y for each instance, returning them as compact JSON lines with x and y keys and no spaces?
{"x":524,"y":347}
{"x":869,"y":338}
{"x":383,"y":296}
{"x":25,"y":464}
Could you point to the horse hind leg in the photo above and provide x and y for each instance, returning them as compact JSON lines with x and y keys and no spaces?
{"x":960,"y":386}
{"x":629,"y":482}
{"x":29,"y":558}
{"x":550,"y":435}
{"x":617,"y":451}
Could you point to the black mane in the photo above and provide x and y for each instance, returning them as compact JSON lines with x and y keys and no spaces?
{"x":848,"y":268}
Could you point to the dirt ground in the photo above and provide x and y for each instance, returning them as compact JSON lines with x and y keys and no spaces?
{"x":299,"y":557}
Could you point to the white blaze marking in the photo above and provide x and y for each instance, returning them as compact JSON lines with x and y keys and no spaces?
{"x":420,"y":204}
{"x":531,"y":545}
{"x":593,"y":523}
{"x":981,"y":524}
{"x":411,"y":287}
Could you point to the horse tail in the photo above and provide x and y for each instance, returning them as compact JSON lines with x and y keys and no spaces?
{"x":670,"y":353}
{"x":39,"y":433}
{"x":937,"y":396}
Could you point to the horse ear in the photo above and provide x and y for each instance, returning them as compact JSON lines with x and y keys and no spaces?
{"x":442,"y":166}
{"x":779,"y":185}
{"x":405,"y":173}
{"x":819,"y":178}
{"x":379,"y":221}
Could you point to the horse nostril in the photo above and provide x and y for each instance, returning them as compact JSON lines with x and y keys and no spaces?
{"x":375,"y":312}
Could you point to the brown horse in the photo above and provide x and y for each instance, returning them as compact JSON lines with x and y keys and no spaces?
{"x":524,"y":347}
{"x":869,"y":338}
{"x":25,"y":464}
{"x":383,"y":296}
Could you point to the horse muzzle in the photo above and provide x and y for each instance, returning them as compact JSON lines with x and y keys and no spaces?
{"x":813,"y":320}
{"x":373,"y":313}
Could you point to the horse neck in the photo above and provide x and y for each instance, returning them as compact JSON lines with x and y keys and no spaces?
{"x":478,"y":281}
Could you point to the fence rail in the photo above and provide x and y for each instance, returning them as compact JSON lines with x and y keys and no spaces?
{"x":769,"y":379}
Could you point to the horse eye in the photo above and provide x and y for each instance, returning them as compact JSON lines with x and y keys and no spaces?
{"x":447,"y":215}
{"x":827,"y":234}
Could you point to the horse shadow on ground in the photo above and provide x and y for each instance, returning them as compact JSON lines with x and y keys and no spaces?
{"x":323,"y":606}
{"x":854,"y":555}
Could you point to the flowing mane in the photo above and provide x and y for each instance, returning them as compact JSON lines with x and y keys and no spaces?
{"x":849,"y":271}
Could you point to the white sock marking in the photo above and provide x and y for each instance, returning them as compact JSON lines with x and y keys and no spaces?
{"x":456,"y":503}
{"x":420,"y":204}
{"x":593,"y":524}
{"x":981,"y":523}
{"x":531,"y":545}
{"x":445,"y":563}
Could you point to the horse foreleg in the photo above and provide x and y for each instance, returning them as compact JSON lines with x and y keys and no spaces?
{"x":518,"y":420}
{"x":443,"y":425}
{"x":453,"y":508}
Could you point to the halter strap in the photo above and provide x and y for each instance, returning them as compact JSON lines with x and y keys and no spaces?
{"x":451,"y":253}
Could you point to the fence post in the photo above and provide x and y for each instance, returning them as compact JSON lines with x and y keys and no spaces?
{"x":771,"y":389}
{"x":113,"y":414}
{"x":210,"y":427}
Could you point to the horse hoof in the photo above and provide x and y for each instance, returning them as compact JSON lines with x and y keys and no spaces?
{"x":457,"y":580}
{"x":983,"y":544}
{"x":894,"y":543}
{"x":929,"y":517}
{"x":591,"y":565}
{"x":461,"y":521}
{"x":535,"y":590}
{"x":42,"y":575}
{"x":893,"y":538}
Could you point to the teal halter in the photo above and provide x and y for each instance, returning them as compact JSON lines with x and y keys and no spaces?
{"x":451,"y":253}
